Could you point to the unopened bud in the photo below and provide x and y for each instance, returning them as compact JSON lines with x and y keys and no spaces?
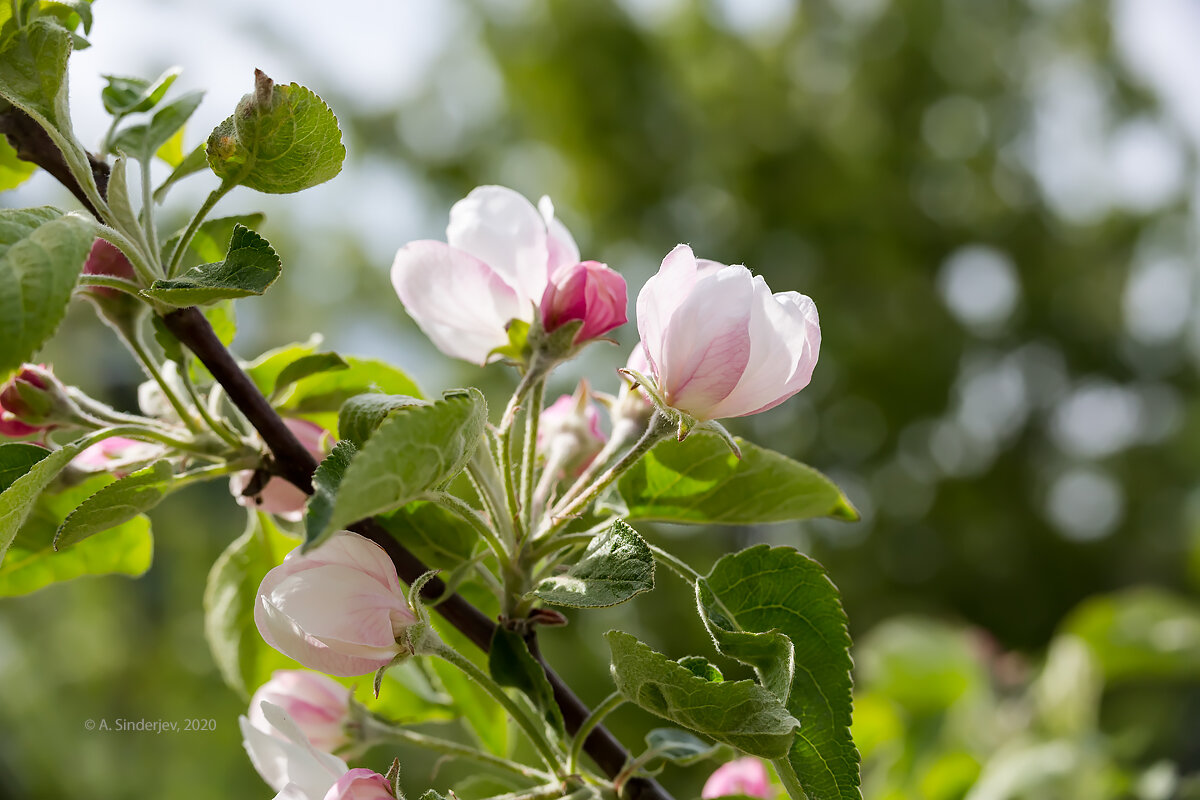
{"x":569,"y":434}
{"x":34,"y":401}
{"x":118,"y":309}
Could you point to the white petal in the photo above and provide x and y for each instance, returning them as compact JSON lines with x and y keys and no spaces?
{"x":660,"y":296}
{"x":286,"y":757}
{"x":460,"y":303}
{"x":560,"y":244}
{"x":707,"y":342}
{"x":503,"y":229}
{"x":785,"y":340}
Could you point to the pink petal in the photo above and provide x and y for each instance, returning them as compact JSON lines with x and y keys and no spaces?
{"x":661,"y":295}
{"x":560,"y":245}
{"x":503,"y":230}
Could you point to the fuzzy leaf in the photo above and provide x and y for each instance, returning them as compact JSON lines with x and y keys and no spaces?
{"x":511,"y":664}
{"x":115,"y":504}
{"x":128,"y":95}
{"x":143,"y":141}
{"x":326,"y":479}
{"x":18,"y":498}
{"x":250,"y":266}
{"x":361,"y":415}
{"x":616,"y":566}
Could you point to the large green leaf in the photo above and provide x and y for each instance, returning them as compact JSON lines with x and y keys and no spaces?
{"x":250,"y":267}
{"x":738,"y":713}
{"x":415,"y":449}
{"x":115,"y":504}
{"x":362,"y":414}
{"x":1140,"y":634}
{"x":41,"y":255}
{"x":281,"y":139}
{"x":18,"y":499}
{"x":245,"y":660}
{"x":32,"y":563}
{"x":33,"y":72}
{"x":699,"y":481}
{"x":747,"y":601}
{"x":616,"y":566}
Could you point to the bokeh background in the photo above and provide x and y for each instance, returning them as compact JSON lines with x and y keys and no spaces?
{"x":995,"y":208}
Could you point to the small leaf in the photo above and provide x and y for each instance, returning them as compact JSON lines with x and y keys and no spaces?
{"x":326,"y":479}
{"x":18,"y":499}
{"x":128,"y":95}
{"x":244,"y":659}
{"x":143,"y":141}
{"x":699,"y":481}
{"x":193,"y":162}
{"x":791,"y":596}
{"x":415,"y":449}
{"x":616,"y":566}
{"x":361,"y":415}
{"x":511,"y":664}
{"x":118,"y":200}
{"x":171,"y":151}
{"x":738,"y":713}
{"x":41,"y":256}
{"x":211,"y":240}
{"x":265,"y":369}
{"x":32,"y":563}
{"x":281,"y":139}
{"x":319,"y":397}
{"x":680,"y":747}
{"x":117,"y":503}
{"x":304,"y":366}
{"x":249,"y":268}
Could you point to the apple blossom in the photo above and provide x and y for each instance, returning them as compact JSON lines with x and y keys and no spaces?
{"x":588,"y":291}
{"x":495,"y":266}
{"x":13,"y":406}
{"x":361,"y":784}
{"x":115,"y":455}
{"x":338,"y":609}
{"x":280,"y":496}
{"x":743,"y":776}
{"x":569,"y":434}
{"x":719,"y":343}
{"x":35,"y":401}
{"x":286,"y":759}
{"x":317,"y":704}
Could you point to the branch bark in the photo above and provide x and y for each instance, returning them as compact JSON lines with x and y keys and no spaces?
{"x":295,"y":463}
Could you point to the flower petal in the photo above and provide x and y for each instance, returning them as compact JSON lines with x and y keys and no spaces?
{"x":460,"y":303}
{"x":285,"y":756}
{"x":560,"y":244}
{"x":501,"y":228}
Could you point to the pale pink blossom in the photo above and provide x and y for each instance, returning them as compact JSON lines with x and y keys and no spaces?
{"x":587,"y":291}
{"x":744,"y":776}
{"x":361,"y":784}
{"x":116,"y":455}
{"x":318,"y":705}
{"x":569,"y":433}
{"x":719,"y":343}
{"x":499,"y":256}
{"x":338,"y":609}
{"x":286,"y":759}
{"x":280,"y":496}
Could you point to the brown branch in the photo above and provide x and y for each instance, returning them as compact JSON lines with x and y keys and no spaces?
{"x":296,"y":464}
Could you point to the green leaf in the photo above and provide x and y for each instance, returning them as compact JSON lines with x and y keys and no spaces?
{"x":244,"y":659}
{"x":738,"y":713}
{"x":33,"y":72}
{"x":117,"y":503}
{"x":486,"y":718}
{"x":193,"y":162}
{"x":265,"y":369}
{"x":249,"y":268}
{"x":362,"y":414}
{"x":128,"y":95}
{"x":222,"y":317}
{"x":773,"y":591}
{"x":680,"y":747}
{"x":143,"y":141}
{"x":16,"y":459}
{"x":13,"y":171}
{"x":699,"y":481}
{"x":41,"y":256}
{"x":441,"y":539}
{"x":1140,"y":634}
{"x":32,"y":562}
{"x":304,"y":366}
{"x":18,"y":498}
{"x":616,"y":566}
{"x":511,"y":664}
{"x":319,"y":397}
{"x":416,"y":449}
{"x":281,"y":139}
{"x":63,"y":10}
{"x":118,"y":200}
{"x":326,"y":479}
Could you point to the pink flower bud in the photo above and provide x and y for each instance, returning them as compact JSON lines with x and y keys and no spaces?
{"x":361,"y":784}
{"x":338,"y":609}
{"x":745,"y":776}
{"x":318,"y":705}
{"x":499,"y":255}
{"x":115,"y":455}
{"x":279,"y":496}
{"x":286,"y":759}
{"x":106,"y":259}
{"x":587,"y":291}
{"x":569,"y":434}
{"x":719,"y":343}
{"x":28,"y":400}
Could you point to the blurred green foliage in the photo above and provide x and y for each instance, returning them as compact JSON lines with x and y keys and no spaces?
{"x":991,"y":393}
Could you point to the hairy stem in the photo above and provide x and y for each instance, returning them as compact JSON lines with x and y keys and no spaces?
{"x":375,"y":730}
